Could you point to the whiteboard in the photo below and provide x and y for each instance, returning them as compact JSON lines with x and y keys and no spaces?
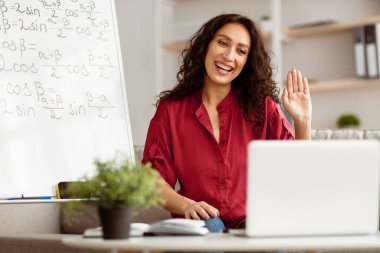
{"x":63,"y":100}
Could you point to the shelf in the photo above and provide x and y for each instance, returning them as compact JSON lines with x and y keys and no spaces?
{"x":344,"y":84}
{"x":178,"y":46}
{"x":330,"y":28}
{"x":299,"y":32}
{"x":335,"y":85}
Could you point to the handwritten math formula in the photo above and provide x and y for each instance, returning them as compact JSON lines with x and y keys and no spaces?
{"x":58,"y":60}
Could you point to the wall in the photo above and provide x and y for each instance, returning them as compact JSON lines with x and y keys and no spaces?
{"x":328,"y":106}
{"x":136,"y":21}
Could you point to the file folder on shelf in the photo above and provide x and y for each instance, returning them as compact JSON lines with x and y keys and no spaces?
{"x":371,"y":51}
{"x":360,"y":52}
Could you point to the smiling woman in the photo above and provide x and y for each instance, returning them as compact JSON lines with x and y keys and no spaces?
{"x":225,"y":98}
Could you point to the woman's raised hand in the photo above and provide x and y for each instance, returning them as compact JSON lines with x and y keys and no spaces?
{"x":296,"y":97}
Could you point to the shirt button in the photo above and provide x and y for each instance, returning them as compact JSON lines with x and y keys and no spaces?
{"x":223,"y":141}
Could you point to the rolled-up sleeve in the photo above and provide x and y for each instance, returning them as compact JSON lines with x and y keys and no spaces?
{"x":157,"y":149}
{"x":279,"y":127}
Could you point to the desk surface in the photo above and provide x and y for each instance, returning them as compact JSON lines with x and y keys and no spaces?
{"x":227,"y":242}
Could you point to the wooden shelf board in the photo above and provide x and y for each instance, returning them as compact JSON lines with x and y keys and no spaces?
{"x":345,"y":84}
{"x":330,"y":28}
{"x":178,"y":46}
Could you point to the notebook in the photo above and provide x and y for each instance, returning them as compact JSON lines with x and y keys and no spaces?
{"x":306,"y":188}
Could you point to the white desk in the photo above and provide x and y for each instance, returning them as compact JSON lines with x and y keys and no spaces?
{"x":226,"y":242}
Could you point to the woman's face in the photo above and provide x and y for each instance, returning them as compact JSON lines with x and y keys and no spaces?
{"x":227,"y":54}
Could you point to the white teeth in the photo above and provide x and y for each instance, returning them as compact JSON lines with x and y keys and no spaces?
{"x":223,"y":67}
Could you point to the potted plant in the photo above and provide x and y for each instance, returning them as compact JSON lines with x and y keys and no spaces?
{"x":116,"y":188}
{"x":266,"y":24}
{"x":348,"y":121}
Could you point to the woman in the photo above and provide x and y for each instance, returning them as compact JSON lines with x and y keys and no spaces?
{"x":225,"y":98}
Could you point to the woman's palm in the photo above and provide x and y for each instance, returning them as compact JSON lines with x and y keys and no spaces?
{"x":296,"y":96}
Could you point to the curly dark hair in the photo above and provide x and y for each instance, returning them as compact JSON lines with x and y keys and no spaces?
{"x":254,"y":84}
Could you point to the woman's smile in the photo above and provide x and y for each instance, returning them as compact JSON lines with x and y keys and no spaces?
{"x":223,"y":68}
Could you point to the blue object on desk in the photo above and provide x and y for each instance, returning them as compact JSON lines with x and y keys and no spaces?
{"x":215,"y":225}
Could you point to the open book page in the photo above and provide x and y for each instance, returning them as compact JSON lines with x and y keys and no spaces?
{"x":179,"y":226}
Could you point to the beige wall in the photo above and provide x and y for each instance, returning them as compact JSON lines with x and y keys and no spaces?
{"x":137,"y":38}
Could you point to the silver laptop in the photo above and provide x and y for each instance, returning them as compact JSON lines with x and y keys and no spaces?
{"x":305,"y":188}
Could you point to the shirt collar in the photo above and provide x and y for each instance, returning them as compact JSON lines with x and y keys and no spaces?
{"x":225,"y":103}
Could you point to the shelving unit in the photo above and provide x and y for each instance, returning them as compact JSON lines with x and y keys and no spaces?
{"x":298,"y":32}
{"x":329,"y":28}
{"x":178,"y":46}
{"x":339,"y":84}
{"x":344,"y":84}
